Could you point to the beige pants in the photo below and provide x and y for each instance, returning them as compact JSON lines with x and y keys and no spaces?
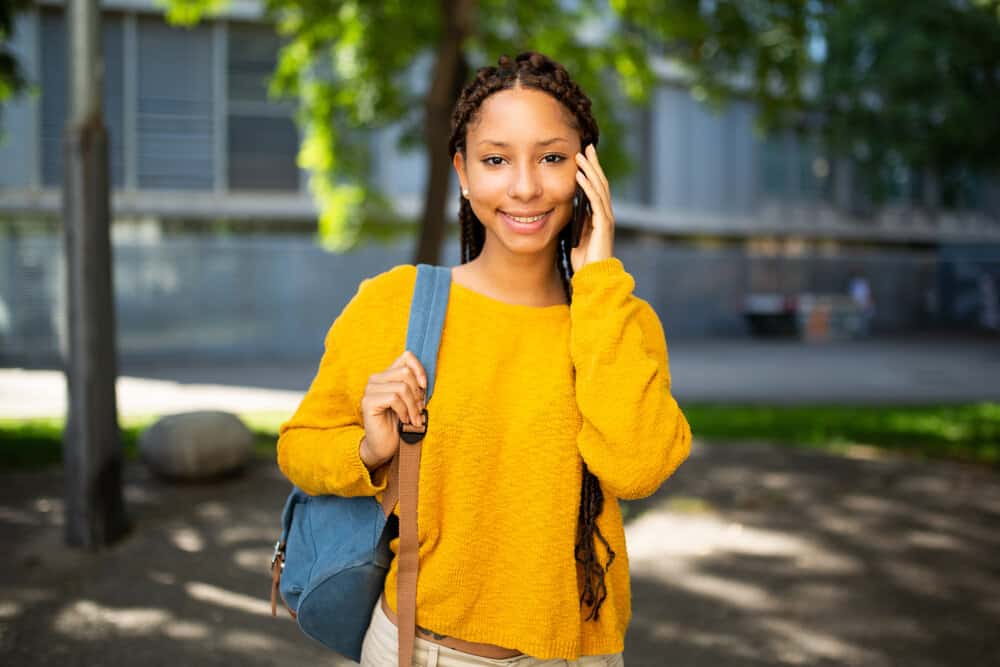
{"x":380,"y":649}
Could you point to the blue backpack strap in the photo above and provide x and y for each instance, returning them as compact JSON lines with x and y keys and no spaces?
{"x":427,"y":313}
{"x":423,"y":337}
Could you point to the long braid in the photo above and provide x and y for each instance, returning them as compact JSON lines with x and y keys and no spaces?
{"x":534,"y":70}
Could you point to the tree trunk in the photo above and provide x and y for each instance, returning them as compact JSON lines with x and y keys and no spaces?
{"x":92,"y":453}
{"x":449,"y":75}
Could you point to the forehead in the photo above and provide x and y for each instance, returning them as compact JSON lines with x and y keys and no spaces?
{"x":521,"y":116}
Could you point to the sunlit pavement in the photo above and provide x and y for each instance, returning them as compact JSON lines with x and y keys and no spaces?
{"x":748,"y":555}
{"x":920,"y":370}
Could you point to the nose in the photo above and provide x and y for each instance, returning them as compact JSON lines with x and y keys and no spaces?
{"x":526,"y":185}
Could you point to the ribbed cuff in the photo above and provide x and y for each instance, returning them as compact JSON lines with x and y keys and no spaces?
{"x":375,"y":480}
{"x":602,"y":267}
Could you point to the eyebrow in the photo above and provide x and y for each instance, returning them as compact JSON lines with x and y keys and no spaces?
{"x":540,"y":143}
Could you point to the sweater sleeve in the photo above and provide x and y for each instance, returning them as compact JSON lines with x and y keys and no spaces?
{"x":634,"y":434}
{"x":319,"y":446}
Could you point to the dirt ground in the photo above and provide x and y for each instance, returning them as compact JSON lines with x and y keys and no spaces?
{"x":749,"y":555}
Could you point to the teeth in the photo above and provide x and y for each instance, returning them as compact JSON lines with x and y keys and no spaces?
{"x":526,"y":220}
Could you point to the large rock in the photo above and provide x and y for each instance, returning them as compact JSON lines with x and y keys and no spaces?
{"x":196,"y":445}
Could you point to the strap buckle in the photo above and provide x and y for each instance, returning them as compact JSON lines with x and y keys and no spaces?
{"x":413,"y":437}
{"x":279,"y":553}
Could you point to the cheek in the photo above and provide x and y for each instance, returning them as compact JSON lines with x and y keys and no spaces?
{"x":486,"y":182}
{"x":562,"y":186}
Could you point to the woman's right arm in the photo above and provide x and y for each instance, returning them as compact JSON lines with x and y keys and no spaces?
{"x":347,"y":426}
{"x":321,"y":447}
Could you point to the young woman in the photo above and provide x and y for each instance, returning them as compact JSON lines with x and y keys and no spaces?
{"x":552,"y":395}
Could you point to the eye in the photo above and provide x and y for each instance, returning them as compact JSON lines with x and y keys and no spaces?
{"x":558,"y":158}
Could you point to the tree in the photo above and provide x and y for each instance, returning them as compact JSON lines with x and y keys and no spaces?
{"x":346,"y":61}
{"x":12,"y":79}
{"x":890,"y":85}
{"x":92,"y":451}
{"x":914,"y":86}
{"x":856,"y":74}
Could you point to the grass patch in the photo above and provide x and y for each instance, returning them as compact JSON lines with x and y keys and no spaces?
{"x":36,"y":443}
{"x":966,"y":432}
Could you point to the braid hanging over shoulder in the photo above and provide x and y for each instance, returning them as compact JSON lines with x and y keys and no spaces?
{"x":535,"y":70}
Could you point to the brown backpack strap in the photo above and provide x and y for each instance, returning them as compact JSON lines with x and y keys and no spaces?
{"x":277,"y":565}
{"x":401,"y":485}
{"x":406,"y":591}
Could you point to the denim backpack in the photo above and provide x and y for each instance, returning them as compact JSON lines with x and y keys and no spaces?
{"x":331,"y":560}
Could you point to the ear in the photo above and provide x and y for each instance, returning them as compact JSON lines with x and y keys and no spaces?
{"x":459,"y":163}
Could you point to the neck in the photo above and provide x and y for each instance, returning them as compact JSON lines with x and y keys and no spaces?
{"x":524,"y":278}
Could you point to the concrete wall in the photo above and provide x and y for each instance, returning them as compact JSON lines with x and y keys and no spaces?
{"x":274,"y":296}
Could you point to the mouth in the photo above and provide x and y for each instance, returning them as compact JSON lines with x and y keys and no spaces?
{"x":526,"y":218}
{"x":526,"y":224}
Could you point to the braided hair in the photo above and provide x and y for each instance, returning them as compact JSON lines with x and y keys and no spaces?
{"x":535,"y":70}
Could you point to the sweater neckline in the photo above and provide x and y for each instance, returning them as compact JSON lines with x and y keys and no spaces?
{"x":556,"y":311}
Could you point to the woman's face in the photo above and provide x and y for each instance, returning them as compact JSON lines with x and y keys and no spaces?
{"x":520,"y":161}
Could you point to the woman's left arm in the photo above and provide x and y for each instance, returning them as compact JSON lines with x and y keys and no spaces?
{"x":634,"y":434}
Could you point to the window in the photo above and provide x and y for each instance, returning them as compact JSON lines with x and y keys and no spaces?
{"x":55,"y":101}
{"x":262,"y":137}
{"x":174,"y":111}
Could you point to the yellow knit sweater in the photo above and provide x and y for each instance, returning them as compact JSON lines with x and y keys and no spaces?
{"x":522,"y":397}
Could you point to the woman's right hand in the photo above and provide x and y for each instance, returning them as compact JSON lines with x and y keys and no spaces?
{"x":395,"y":395}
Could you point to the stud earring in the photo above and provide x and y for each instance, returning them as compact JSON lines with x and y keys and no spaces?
{"x":465,"y":193}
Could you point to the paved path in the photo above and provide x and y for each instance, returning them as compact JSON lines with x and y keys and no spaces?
{"x":918,"y":370}
{"x":749,"y":555}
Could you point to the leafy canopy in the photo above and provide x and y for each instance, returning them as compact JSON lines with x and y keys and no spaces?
{"x":884,"y":83}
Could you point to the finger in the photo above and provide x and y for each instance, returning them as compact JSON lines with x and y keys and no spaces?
{"x":378,"y":403}
{"x":591,"y":169}
{"x":409,"y":397}
{"x":413,"y":362}
{"x":600,"y":180}
{"x":402,"y":408}
{"x":596,"y":163}
{"x":409,"y":376}
{"x":399,"y":361}
{"x":599,"y":201}
{"x":591,"y":192}
{"x":406,"y":366}
{"x":392,"y":399}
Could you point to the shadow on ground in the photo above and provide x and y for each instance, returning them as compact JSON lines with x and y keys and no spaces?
{"x":749,"y":555}
{"x":760,"y":555}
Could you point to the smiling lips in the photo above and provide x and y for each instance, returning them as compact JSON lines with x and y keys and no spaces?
{"x":526,"y":224}
{"x":525,"y":219}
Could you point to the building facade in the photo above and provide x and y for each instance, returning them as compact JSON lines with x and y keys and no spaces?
{"x":194,"y":137}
